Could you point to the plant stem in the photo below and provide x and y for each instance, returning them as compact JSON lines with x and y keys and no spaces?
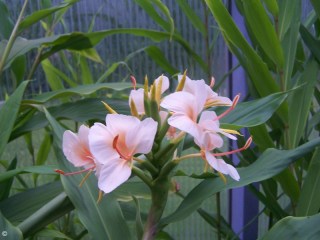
{"x":12,"y":38}
{"x":159,"y":196}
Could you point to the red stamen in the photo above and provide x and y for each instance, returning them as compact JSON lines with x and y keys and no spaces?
{"x":134,"y":81}
{"x":234,"y":103}
{"x":114,"y":145}
{"x":73,"y":173}
{"x":249,"y":141}
{"x":213,"y":81}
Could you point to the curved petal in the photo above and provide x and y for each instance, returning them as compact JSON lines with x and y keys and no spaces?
{"x":113,"y":174}
{"x":137,"y":96}
{"x":184,"y":123}
{"x":119,"y":124}
{"x":76,"y":150}
{"x":165,"y":83}
{"x":183,"y":103}
{"x":222,"y":166}
{"x":140,"y":139}
{"x":101,"y":144}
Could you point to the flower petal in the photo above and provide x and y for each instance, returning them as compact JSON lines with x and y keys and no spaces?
{"x":113,"y":174}
{"x":140,"y":139}
{"x":101,"y":144}
{"x":76,"y":148}
{"x":165,"y":83}
{"x":184,"y":123}
{"x":222,"y":166}
{"x":138,"y":97}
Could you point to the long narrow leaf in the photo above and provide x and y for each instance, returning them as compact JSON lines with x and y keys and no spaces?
{"x":8,"y":114}
{"x":269,"y":164}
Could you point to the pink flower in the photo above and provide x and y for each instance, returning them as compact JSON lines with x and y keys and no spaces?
{"x":113,"y":145}
{"x":185,"y":108}
{"x":221,"y":166}
{"x":137,"y":96}
{"x":76,"y":148}
{"x":212,"y":98}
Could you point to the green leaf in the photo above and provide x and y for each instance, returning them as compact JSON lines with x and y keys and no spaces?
{"x":86,"y":75}
{"x":263,"y":30}
{"x":269,"y":164}
{"x":247,"y":56}
{"x":289,"y":36}
{"x":44,"y":149}
{"x":311,"y":42}
{"x":7,"y":24}
{"x":8,"y":115}
{"x":253,"y":113}
{"x":38,"y":15}
{"x":8,"y":230}
{"x":316,"y":6}
{"x":53,"y":80}
{"x":273,"y":7}
{"x":309,"y":201}
{"x":295,"y":228}
{"x":5,"y":186}
{"x":148,"y":6}
{"x":192,"y":16}
{"x":18,"y":207}
{"x":52,"y":234}
{"x":31,"y":169}
{"x":111,"y":69}
{"x":53,"y":74}
{"x":79,"y":90}
{"x":157,"y":55}
{"x":51,"y":211}
{"x":300,"y":102}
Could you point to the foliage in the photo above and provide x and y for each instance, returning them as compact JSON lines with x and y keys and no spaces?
{"x":281,"y":60}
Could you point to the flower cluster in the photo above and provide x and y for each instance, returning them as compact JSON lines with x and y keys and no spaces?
{"x":111,"y":149}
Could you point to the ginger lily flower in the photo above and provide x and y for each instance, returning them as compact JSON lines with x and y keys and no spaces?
{"x":76,"y":148}
{"x":212,"y":98}
{"x":137,"y":96}
{"x":114,"y":145}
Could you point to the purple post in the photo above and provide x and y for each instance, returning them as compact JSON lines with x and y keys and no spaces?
{"x":243,"y":204}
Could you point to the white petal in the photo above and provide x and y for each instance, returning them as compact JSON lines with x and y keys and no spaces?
{"x":138,"y":97}
{"x":121,"y":124}
{"x":140,"y":139}
{"x":222,"y":166}
{"x":184,"y":123}
{"x":76,"y":151}
{"x":101,"y":144}
{"x":165,"y":83}
{"x":113,"y":174}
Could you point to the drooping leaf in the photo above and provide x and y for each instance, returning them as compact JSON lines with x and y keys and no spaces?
{"x":253,"y":113}
{"x":18,"y":207}
{"x":8,"y":114}
{"x":7,"y":24}
{"x":52,"y":234}
{"x":5,"y":186}
{"x":295,"y":228}
{"x":31,"y":169}
{"x":300,"y":101}
{"x":309,"y":201}
{"x":40,"y":14}
{"x":51,"y":211}
{"x":269,"y":164}
{"x":263,"y":30}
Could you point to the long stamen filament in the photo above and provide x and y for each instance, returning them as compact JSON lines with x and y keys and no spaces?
{"x":236,"y":150}
{"x":73,"y":173}
{"x":234,"y":103}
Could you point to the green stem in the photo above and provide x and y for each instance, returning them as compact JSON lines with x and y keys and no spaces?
{"x":159,"y":196}
{"x":142,"y":176}
{"x":12,"y":38}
